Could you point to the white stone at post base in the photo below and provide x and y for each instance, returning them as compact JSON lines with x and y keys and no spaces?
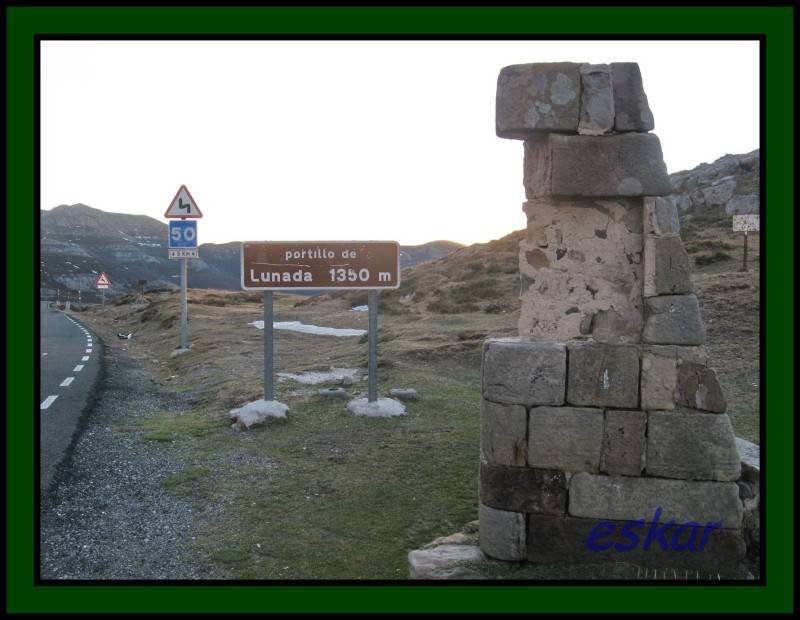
{"x":258,"y":411}
{"x":381,"y":408}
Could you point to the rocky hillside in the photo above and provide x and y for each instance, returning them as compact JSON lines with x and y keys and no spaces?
{"x":78,"y":242}
{"x":732,"y":182}
{"x":484,"y":277}
{"x":413,"y":255}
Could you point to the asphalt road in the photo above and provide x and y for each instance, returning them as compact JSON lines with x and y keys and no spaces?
{"x":70,"y":360}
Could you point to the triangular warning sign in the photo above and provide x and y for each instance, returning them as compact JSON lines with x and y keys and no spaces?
{"x":183,"y":206}
{"x":102,"y":280}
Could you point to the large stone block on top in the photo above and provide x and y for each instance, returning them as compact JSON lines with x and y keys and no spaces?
{"x":632,"y":112}
{"x":630,"y":498}
{"x":524,"y":372}
{"x":502,"y":533}
{"x":504,"y":434}
{"x":565,"y":540}
{"x":581,"y":264}
{"x":537,"y":97}
{"x":699,"y":388}
{"x":673,"y":319}
{"x":691,"y":446}
{"x":624,"y":442}
{"x":587,"y":166}
{"x":523,"y":489}
{"x":600,"y":375}
{"x":597,"y":100}
{"x":565,"y":438}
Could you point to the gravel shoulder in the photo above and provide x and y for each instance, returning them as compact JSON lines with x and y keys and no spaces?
{"x":108,"y":514}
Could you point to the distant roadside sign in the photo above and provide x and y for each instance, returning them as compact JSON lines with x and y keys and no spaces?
{"x":303,"y":265}
{"x":746,"y":223}
{"x":183,"y":206}
{"x":182,"y":234}
{"x":102,"y":281}
{"x":183,"y":253}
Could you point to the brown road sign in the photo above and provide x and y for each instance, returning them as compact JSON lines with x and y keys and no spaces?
{"x":298,"y":265}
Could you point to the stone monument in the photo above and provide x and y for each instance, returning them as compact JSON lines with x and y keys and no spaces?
{"x":603,"y":428}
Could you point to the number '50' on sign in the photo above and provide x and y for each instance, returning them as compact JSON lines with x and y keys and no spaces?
{"x":182,"y":234}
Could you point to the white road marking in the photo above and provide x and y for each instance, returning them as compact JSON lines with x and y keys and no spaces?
{"x":43,"y":354}
{"x":67,"y":381}
{"x":78,"y":368}
{"x":88,"y":350}
{"x":85,"y":358}
{"x":48,"y":401}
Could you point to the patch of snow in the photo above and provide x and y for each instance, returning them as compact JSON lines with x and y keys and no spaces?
{"x":317,"y":377}
{"x":359,"y":309}
{"x":258,"y":411}
{"x":297,"y":326}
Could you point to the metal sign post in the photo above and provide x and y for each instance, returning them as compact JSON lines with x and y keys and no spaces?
{"x":183,"y":245}
{"x":745,"y":224}
{"x":102,"y":282}
{"x":372,"y":336}
{"x":744,"y":255}
{"x":184,"y":309}
{"x":269,"y":385}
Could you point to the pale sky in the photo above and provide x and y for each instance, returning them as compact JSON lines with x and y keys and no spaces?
{"x":344,"y":140}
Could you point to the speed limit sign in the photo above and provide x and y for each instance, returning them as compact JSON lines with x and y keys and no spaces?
{"x":182,"y":234}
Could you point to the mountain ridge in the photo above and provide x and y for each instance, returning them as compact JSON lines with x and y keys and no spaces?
{"x":79,"y":241}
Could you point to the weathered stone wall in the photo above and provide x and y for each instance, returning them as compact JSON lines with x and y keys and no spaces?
{"x":604,"y":410}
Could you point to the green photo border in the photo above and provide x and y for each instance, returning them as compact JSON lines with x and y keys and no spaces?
{"x":775,"y":23}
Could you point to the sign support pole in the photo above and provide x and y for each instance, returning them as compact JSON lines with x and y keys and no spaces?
{"x":269,"y":386}
{"x":102,"y":297}
{"x":372,"y":298}
{"x":184,"y":309}
{"x":744,"y":256}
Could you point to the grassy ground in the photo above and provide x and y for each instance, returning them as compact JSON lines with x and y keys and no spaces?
{"x":730,"y":305}
{"x":324,"y":494}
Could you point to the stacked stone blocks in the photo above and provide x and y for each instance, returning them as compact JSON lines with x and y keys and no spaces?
{"x":604,"y":410}
{"x":567,"y":438}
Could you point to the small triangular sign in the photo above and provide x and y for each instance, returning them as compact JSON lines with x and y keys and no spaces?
{"x":102,"y":280}
{"x":183,"y":206}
